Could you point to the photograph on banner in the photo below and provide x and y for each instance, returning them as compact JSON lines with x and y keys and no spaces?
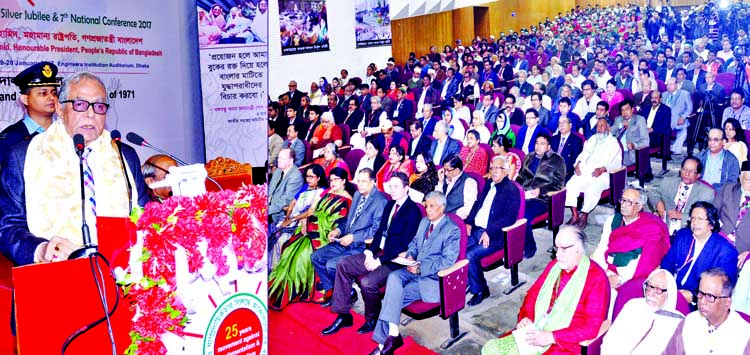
{"x":232,"y":22}
{"x":373,"y":27}
{"x":304,"y":26}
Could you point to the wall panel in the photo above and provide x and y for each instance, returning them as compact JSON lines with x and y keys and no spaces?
{"x":417,"y":34}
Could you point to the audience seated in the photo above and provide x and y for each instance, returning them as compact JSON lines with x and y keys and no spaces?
{"x":588,"y":125}
{"x":681,"y":106}
{"x":456,"y":128}
{"x":489,"y":110}
{"x":496,"y":208}
{"x":348,"y":238}
{"x":737,"y":109}
{"x":477,"y":124}
{"x":275,"y":143}
{"x":566,"y":305}
{"x":330,"y":159}
{"x":326,"y":132}
{"x":503,"y":128}
{"x":428,"y":120}
{"x":435,"y":247}
{"x":425,"y":177}
{"x":511,"y":112}
{"x":719,"y":165}
{"x":397,"y":161}
{"x":699,"y":248}
{"x":630,"y":129}
{"x":460,"y":190}
{"x":475,"y":158}
{"x":601,"y":154}
{"x":658,"y":118}
{"x":284,"y":185}
{"x":567,"y":144}
{"x":404,"y":110}
{"x":587,"y":103}
{"x":563,"y":107}
{"x":527,"y":134}
{"x":671,"y":199}
{"x":646,"y":324}
{"x":714,"y":328}
{"x":734,"y":140}
{"x":395,"y":231}
{"x":543,"y":171}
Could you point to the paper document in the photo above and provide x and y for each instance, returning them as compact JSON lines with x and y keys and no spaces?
{"x":524,"y":348}
{"x":404,"y":261}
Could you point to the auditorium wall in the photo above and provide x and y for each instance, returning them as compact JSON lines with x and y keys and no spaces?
{"x":309,"y":67}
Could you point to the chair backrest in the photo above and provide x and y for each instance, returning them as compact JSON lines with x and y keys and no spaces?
{"x":557,"y":208}
{"x":626,"y":93}
{"x":522,"y":207}
{"x":632,"y":288}
{"x":464,"y":235}
{"x":487,"y":149}
{"x":479,"y":179}
{"x":308,"y":152}
{"x":515,"y":128}
{"x":727,"y":82}
{"x":346,"y":133}
{"x":661,"y":85}
{"x":352,"y":159}
{"x":519,"y":152}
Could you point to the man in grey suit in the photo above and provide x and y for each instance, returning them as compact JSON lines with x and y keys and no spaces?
{"x":292,"y":141}
{"x":672,"y":200}
{"x":489,"y":109}
{"x":733,"y":202}
{"x":434,"y":248}
{"x":443,"y":146}
{"x":348,"y":238}
{"x":285,"y":183}
{"x":631,"y":130}
{"x":720,"y":165}
{"x":681,"y":104}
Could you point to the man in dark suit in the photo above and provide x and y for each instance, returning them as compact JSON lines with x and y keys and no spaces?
{"x":339,"y":114}
{"x":28,"y":232}
{"x":364,"y":97}
{"x":426,"y":94}
{"x":489,"y":110}
{"x":527,"y":134}
{"x":295,"y":95}
{"x":395,"y":232}
{"x":496,"y":208}
{"x":404,"y":109}
{"x":435,"y":247}
{"x":301,"y":124}
{"x":353,"y":115}
{"x":450,"y":87}
{"x":443,"y":146}
{"x":511,"y":112}
{"x":420,"y":142}
{"x":348,"y":238}
{"x":567,"y":144}
{"x":658,"y":120}
{"x":428,"y":120}
{"x":697,"y":75}
{"x":542,"y":172}
{"x":38,"y":86}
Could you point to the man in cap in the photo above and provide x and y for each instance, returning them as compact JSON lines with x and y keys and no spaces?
{"x":38,"y":85}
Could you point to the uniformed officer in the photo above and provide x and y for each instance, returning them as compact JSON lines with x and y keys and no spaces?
{"x":38,"y":85}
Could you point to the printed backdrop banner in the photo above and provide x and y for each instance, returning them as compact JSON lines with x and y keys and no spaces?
{"x":373,"y":27}
{"x":234,"y":79}
{"x":138,"y":55}
{"x":304,"y":26}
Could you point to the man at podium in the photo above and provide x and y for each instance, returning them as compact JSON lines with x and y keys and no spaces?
{"x":40,"y":193}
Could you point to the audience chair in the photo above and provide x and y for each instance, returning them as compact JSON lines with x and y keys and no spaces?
{"x":346,"y":133}
{"x":352,"y":159}
{"x":554,"y":217}
{"x":727,"y":81}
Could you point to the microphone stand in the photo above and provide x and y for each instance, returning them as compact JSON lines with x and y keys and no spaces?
{"x":88,"y":247}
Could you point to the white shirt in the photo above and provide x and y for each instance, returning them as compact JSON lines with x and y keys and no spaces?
{"x":729,"y":338}
{"x":583,"y":107}
{"x":651,"y":116}
{"x":420,"y":103}
{"x":399,"y":203}
{"x":483,"y":215}
{"x":527,"y":139}
{"x":439,"y":152}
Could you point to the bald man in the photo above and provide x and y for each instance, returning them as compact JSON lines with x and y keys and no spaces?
{"x":155,"y":169}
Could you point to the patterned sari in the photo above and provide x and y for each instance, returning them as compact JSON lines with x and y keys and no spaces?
{"x":293,"y":279}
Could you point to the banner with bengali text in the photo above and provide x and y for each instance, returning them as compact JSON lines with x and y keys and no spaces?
{"x":373,"y":23}
{"x":138,"y":54}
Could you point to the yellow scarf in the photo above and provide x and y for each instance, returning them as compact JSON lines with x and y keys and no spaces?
{"x":53,"y":190}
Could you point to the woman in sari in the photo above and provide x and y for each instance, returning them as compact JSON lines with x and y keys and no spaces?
{"x":501,"y":146}
{"x":293,"y":278}
{"x":297,"y":211}
{"x":397,"y":161}
{"x":331,"y":160}
{"x":503,"y":129}
{"x":425,"y":178}
{"x":326,"y":132}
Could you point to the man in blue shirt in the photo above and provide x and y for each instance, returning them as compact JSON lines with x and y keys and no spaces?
{"x":38,"y":86}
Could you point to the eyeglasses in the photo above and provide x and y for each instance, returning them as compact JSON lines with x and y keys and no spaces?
{"x":447,"y":170}
{"x":79,"y":105}
{"x":559,"y":249}
{"x":709,"y":297}
{"x":687,"y":171}
{"x":626,"y":202}
{"x":334,"y":178}
{"x":311,"y":176}
{"x":497,"y":168}
{"x":696,"y":219}
{"x":714,"y":139}
{"x":649,"y":287}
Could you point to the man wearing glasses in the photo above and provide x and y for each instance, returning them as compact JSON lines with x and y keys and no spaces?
{"x":38,"y":86}
{"x":671,"y":200}
{"x":720,"y":165}
{"x":43,"y":223}
{"x":566,"y":305}
{"x":633,"y":242}
{"x":714,"y":328}
{"x":155,"y":169}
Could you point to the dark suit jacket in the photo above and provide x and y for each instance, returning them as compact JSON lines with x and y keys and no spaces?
{"x":352,"y":120}
{"x":424,"y":143}
{"x":549,"y":176}
{"x":517,"y":117}
{"x":13,"y":134}
{"x":503,"y":212}
{"x":701,"y":77}
{"x":16,"y":242}
{"x":505,"y":74}
{"x":396,"y":141}
{"x":662,"y":120}
{"x":302,"y":125}
{"x":405,"y":112}
{"x":432,"y":97}
{"x":452,"y":86}
{"x":450,"y":148}
{"x":368,"y":221}
{"x":364,"y":102}
{"x":338,"y":113}
{"x":572,"y":148}
{"x":296,"y":97}
{"x":280,"y":125}
{"x":398,"y":235}
{"x":429,"y":128}
{"x":522,"y":136}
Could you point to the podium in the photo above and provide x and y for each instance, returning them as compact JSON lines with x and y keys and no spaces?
{"x":53,"y":300}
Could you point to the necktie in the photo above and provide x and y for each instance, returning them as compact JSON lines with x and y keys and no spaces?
{"x":429,"y":231}
{"x":682,"y":200}
{"x":358,"y":211}
{"x":395,"y":210}
{"x":88,"y":181}
{"x":562,"y":144}
{"x":279,"y":182}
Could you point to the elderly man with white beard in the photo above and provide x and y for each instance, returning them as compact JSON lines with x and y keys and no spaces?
{"x":601,"y":154}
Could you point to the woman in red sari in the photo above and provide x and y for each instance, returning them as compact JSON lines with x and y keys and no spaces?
{"x":331,"y":159}
{"x":326,"y":132}
{"x":397,"y":161}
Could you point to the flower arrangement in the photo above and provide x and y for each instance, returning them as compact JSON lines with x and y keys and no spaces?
{"x":217,"y":221}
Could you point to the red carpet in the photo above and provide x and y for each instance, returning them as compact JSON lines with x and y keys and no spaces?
{"x":296,"y":331}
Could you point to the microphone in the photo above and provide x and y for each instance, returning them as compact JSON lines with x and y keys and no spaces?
{"x":88,"y":247}
{"x":117,"y":139}
{"x":138,"y":140}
